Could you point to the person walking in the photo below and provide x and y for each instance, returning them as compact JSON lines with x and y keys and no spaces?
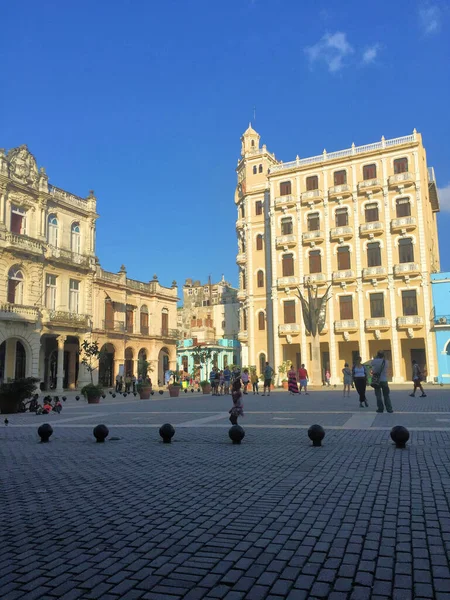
{"x":212,"y":381}
{"x":268,"y":374}
{"x":118,"y":378}
{"x":417,"y":378}
{"x":292,"y":381}
{"x":245,"y":378}
{"x":254,"y":380}
{"x":360,"y":380}
{"x":327,"y":377}
{"x":226,"y":380}
{"x":347,"y":373}
{"x":380,"y":384}
{"x":303,"y":379}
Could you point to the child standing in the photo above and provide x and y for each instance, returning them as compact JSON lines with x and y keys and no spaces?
{"x":237,"y":410}
{"x":348,"y":379}
{"x":254,"y":380}
{"x":245,"y":379}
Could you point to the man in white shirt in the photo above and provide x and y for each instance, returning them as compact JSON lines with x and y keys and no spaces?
{"x":380,"y":366}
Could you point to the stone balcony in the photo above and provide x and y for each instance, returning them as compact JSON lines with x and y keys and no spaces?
{"x":66,"y":319}
{"x":242,"y":295}
{"x":315,"y":279}
{"x":313,"y":236}
{"x":291,"y":281}
{"x":66,"y":256}
{"x":370,"y":273}
{"x":243,"y":336}
{"x":289,"y":329}
{"x":311,"y":196}
{"x":401,"y":179}
{"x":348,"y":325}
{"x":373,"y":324}
{"x":285,"y":201}
{"x":240,"y":223}
{"x":402,"y":269}
{"x":410,"y":322}
{"x":373,"y":228}
{"x":348,"y":275}
{"x":285,"y":240}
{"x":339,"y":190}
{"x":406,"y":223}
{"x":345,"y":232}
{"x":23,"y":243}
{"x":241,"y":258}
{"x":370,"y":185}
{"x":18,"y":312}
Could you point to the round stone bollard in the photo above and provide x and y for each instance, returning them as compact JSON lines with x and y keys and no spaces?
{"x":185,"y":390}
{"x":400,"y":435}
{"x":45,"y":431}
{"x":192,"y":390}
{"x":236,"y":434}
{"x":124,"y":395}
{"x":103,"y":396}
{"x":316,"y":433}
{"x":100,"y":432}
{"x":135,"y":394}
{"x":64,"y":398}
{"x":77,"y":397}
{"x":113,"y":395}
{"x":110,"y":392}
{"x":167,"y":431}
{"x":161,"y":392}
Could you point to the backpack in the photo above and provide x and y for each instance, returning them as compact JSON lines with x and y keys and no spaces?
{"x":375,"y":383}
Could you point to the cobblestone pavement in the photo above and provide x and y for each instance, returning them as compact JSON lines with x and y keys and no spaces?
{"x":200,"y":518}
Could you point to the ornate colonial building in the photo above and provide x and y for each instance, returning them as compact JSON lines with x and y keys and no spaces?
{"x":54,"y":294}
{"x":361,"y":220}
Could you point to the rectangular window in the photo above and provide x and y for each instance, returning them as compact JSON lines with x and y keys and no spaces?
{"x":312,"y":183}
{"x":286,"y":226}
{"x":405,"y":250}
{"x":373,"y":254}
{"x":369,"y":172}
{"x":343,"y":258}
{"x":403,"y":208}
{"x":377,"y":306}
{"x":315,"y":262}
{"x":258,"y":207}
{"x":289,"y":311}
{"x":206,"y":303}
{"x":346,"y":307}
{"x":313,"y":222}
{"x":50,"y":292}
{"x":18,"y":220}
{"x":109,"y":314}
{"x":285,"y":188}
{"x":400,"y":165}
{"x":409,"y":303}
{"x":288,"y":265}
{"x":340,"y":177}
{"x":74,"y":296}
{"x":144,"y":323}
{"x":341,"y":217}
{"x":130,"y":319}
{"x":371,"y":213}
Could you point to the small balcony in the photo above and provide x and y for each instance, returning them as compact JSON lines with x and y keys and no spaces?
{"x":18,"y":312}
{"x":242,"y":295}
{"x":370,"y":185}
{"x":240,"y":223}
{"x":243,"y":336}
{"x":17,"y":241}
{"x":403,"y":269}
{"x":65,"y":318}
{"x":312,"y":196}
{"x":373,"y":324}
{"x":374,"y":273}
{"x":291,"y":281}
{"x":406,"y":223}
{"x":348,"y":275}
{"x":349,"y":325}
{"x":315,"y":279}
{"x":401,"y":179}
{"x":340,"y":190}
{"x":169,"y":333}
{"x":289,"y":329}
{"x":117,"y":326}
{"x":66,"y":256}
{"x":285,"y":240}
{"x":241,"y":258}
{"x":285,"y":201}
{"x":313,"y":236}
{"x":438,"y":321}
{"x":410,"y":322}
{"x":373,"y":228}
{"x":345,"y":233}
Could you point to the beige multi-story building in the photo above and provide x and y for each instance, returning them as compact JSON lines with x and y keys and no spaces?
{"x":361,"y":220}
{"x":54,"y":294}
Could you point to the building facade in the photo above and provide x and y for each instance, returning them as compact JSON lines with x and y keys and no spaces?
{"x":54,"y":294}
{"x":360,"y":223}
{"x":440,"y":321}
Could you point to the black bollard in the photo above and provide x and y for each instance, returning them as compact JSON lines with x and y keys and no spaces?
{"x":167,"y":432}
{"x":236,"y":434}
{"x":77,"y":397}
{"x":161,"y":392}
{"x":45,"y":431}
{"x":113,"y":395}
{"x":316,"y":433}
{"x":101,"y":432}
{"x":399,"y":435}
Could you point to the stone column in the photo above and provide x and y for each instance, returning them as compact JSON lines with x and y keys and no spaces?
{"x":2,"y":207}
{"x":60,"y":371}
{"x":72,"y":369}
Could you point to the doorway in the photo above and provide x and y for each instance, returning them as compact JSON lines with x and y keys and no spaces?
{"x":419,"y":355}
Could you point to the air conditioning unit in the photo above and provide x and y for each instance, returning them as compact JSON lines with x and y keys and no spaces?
{"x":442,"y":320}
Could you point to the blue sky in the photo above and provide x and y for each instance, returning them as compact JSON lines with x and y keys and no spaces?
{"x":145,"y":102}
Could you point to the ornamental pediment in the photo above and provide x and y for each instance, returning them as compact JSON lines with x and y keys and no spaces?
{"x":22,"y":166}
{"x":21,"y":199}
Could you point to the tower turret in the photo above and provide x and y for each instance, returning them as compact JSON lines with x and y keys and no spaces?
{"x":250,"y":140}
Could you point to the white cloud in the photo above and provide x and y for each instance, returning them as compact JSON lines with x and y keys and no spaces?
{"x":444,"y":198}
{"x":370,"y":54}
{"x":330,"y":49}
{"x":430,"y":19}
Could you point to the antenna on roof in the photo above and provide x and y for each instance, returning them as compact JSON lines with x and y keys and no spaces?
{"x":254,"y":114}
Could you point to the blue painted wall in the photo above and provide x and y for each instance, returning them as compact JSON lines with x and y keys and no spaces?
{"x":440,"y":286}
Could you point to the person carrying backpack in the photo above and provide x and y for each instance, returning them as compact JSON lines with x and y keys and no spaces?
{"x":417,"y":378}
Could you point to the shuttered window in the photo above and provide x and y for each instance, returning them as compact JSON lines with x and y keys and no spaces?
{"x":377,"y":306}
{"x":312,"y":183}
{"x":343,"y":258}
{"x":371,"y":213}
{"x":405,"y":250}
{"x":315,"y":262}
{"x":403,"y":207}
{"x":341,"y":217}
{"x":409,"y":302}
{"x":288,"y":265}
{"x":369,"y":172}
{"x":285,"y":188}
{"x":289,"y":311}
{"x":346,"y":307}
{"x":340,"y":177}
{"x":400,"y":165}
{"x":373,"y":255}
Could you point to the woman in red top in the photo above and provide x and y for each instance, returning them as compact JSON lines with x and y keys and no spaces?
{"x":303,"y":379}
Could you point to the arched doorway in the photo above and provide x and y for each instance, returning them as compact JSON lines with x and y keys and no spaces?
{"x":129,"y":371}
{"x":163,"y":365}
{"x":71,"y":362}
{"x":142,"y":357}
{"x":106,"y":365}
{"x":13,"y":360}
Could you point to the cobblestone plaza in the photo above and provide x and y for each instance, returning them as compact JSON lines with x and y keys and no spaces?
{"x":200,"y":518}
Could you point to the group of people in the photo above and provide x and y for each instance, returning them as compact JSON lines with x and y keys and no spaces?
{"x":295,"y":385}
{"x":222,"y":380}
{"x":130,"y":382}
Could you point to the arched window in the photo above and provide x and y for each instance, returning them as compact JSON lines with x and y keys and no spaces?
{"x":260,"y":279}
{"x":261,"y":321}
{"x":75,"y":238}
{"x":259,"y":242}
{"x":255,"y":170}
{"x":144,"y":320}
{"x":260,"y":168}
{"x":15,"y":285}
{"x":262,"y":363}
{"x":52,"y":233}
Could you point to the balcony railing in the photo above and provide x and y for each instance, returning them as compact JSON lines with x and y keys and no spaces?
{"x":242,"y":294}
{"x":23,"y":242}
{"x":286,"y":240}
{"x":410,"y":322}
{"x":18,"y":312}
{"x":288,"y":200}
{"x":169,"y":333}
{"x":67,"y":197}
{"x":288,"y":281}
{"x":243,"y":336}
{"x":312,"y":196}
{"x":373,"y":227}
{"x":441,"y":320}
{"x":406,"y":269}
{"x":67,"y":256}
{"x":340,"y":190}
{"x":287,"y":328}
{"x":380,"y":323}
{"x":241,"y":258}
{"x":400,"y":178}
{"x":370,"y":184}
{"x":348,"y":325}
{"x":118,"y":326}
{"x":317,"y":278}
{"x":70,"y":319}
{"x":408,"y":223}
{"x":344,"y":232}
{"x":313,"y":236}
{"x":374,"y":273}
{"x":344,"y":275}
